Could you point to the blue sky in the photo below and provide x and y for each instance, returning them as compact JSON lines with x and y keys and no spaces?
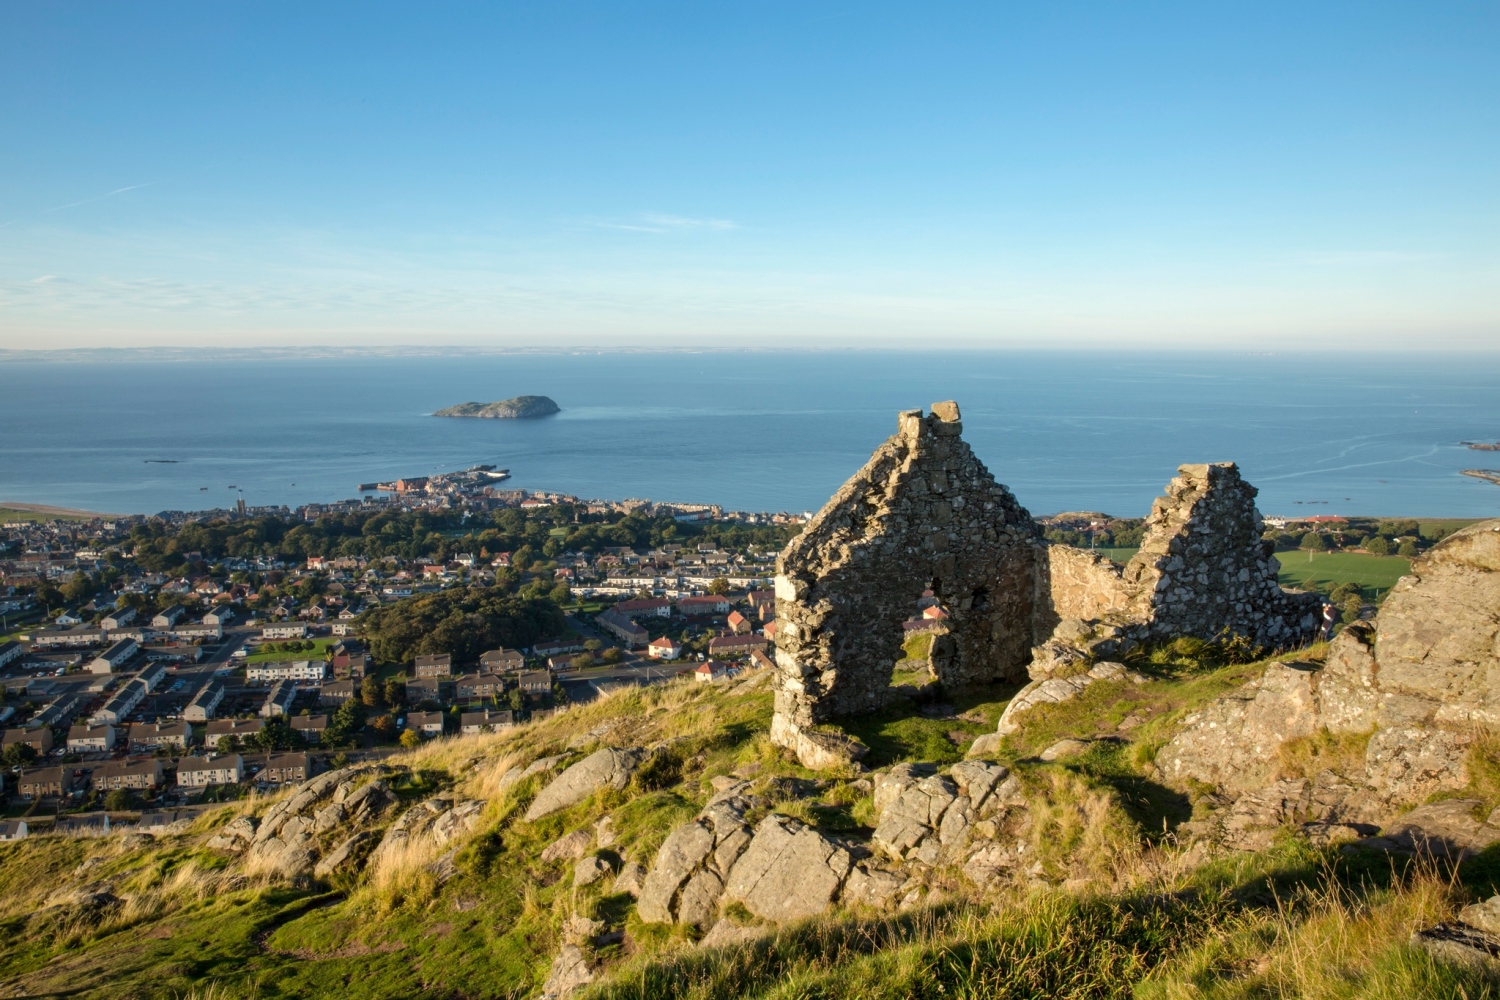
{"x":732,"y":175}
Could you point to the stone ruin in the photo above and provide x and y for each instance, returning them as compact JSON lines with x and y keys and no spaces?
{"x":924,"y":514}
{"x":1202,"y":570}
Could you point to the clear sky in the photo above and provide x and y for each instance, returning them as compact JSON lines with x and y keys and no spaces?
{"x":742,"y":174}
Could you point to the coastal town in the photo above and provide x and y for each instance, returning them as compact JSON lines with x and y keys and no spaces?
{"x":141,"y":685}
{"x":142,"y":680}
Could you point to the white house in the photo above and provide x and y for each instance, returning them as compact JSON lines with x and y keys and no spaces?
{"x":202,"y":707}
{"x":151,"y":675}
{"x":709,"y":672}
{"x":664,"y":648}
{"x":200,"y":772}
{"x":313,"y":671}
{"x":168,"y":617}
{"x":122,"y":704}
{"x":114,"y":657}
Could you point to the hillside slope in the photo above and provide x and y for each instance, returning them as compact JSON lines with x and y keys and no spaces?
{"x":461,"y":895}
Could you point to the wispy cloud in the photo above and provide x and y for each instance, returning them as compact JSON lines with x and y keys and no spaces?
{"x":653,"y":222}
{"x":90,"y":201}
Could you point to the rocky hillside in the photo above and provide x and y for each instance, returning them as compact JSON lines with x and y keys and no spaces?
{"x":1174,"y":823}
{"x":519,"y":408}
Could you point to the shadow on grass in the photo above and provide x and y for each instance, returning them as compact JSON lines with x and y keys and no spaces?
{"x":901,"y":732}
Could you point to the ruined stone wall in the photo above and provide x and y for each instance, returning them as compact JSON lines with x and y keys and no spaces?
{"x":923,"y":512}
{"x":1074,"y":583}
{"x":1203,"y":569}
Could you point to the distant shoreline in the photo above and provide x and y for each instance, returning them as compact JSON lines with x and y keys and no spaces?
{"x":48,"y":509}
{"x":55,"y":511}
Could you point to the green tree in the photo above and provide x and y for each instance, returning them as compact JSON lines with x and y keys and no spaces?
{"x":719,"y":585}
{"x":1352,"y":608}
{"x":370,"y":692}
{"x":1314,"y":542}
{"x":346,"y":725}
{"x":1378,"y":546}
{"x":228,"y":743}
{"x":385,"y":728}
{"x":79,"y":588}
{"x":119,"y":800}
{"x":560,"y":594}
{"x":18,"y":754}
{"x":1407,"y":548}
{"x":612,"y":655}
{"x":515,"y":699}
{"x":1340,"y":595}
{"x":395,"y":691}
{"x":593,"y":645}
{"x":410,"y":739}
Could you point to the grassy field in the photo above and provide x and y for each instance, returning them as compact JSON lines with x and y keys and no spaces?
{"x":1322,"y":571}
{"x":320,"y":653}
{"x":9,"y":514}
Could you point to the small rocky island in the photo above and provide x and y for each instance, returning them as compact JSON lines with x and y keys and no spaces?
{"x":519,"y":408}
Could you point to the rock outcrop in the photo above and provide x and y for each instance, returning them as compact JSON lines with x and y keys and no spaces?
{"x":789,"y":872}
{"x":924,"y":513}
{"x":1052,"y":690}
{"x":1418,"y":682}
{"x":609,"y":768}
{"x":688,"y":874}
{"x":1439,"y":630}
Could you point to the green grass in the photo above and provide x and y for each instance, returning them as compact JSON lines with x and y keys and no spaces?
{"x":1322,"y":571}
{"x":1326,"y":570}
{"x":319,"y":653}
{"x":1133,"y":921}
{"x":9,"y":514}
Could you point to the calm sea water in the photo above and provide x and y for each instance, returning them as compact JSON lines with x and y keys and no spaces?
{"x":756,"y":431}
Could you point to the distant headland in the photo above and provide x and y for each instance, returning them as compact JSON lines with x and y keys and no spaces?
{"x":519,"y":408}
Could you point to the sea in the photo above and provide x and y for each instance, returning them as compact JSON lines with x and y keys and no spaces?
{"x":757,"y":431}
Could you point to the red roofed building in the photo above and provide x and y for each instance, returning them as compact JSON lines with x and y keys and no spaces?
{"x":709,"y":672}
{"x":708,"y":604}
{"x":664,"y":649}
{"x":738,"y":623}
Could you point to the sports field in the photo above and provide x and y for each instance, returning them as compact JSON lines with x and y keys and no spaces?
{"x":1322,"y":571}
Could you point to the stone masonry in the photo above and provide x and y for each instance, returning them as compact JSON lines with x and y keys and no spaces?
{"x":1204,"y":570}
{"x":922,"y":513}
{"x":925,"y":513}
